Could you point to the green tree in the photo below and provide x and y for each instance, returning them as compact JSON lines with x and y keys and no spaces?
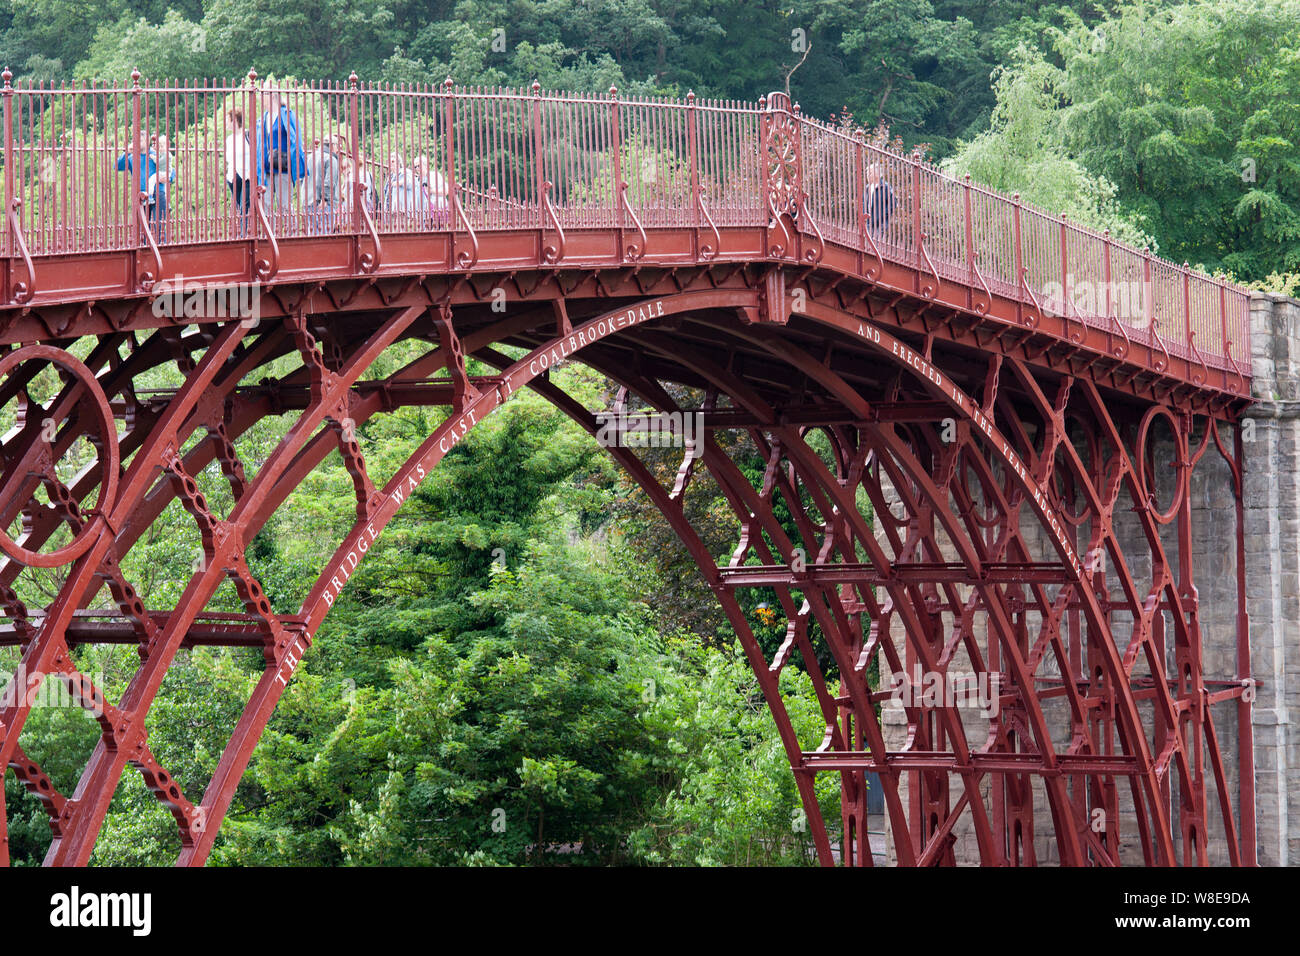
{"x":1023,"y":152}
{"x":1190,"y":110}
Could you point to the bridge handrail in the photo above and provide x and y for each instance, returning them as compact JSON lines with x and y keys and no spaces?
{"x":1190,"y":324}
{"x":628,"y":163}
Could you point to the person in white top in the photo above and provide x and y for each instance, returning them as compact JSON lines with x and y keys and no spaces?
{"x":237,"y":150}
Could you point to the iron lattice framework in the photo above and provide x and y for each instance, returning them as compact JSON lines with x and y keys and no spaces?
{"x":989,"y":504}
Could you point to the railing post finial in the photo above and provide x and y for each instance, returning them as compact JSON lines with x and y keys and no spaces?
{"x":135,"y":79}
{"x":448,"y":83}
{"x":613,"y":91}
{"x":8,"y":79}
{"x":353,"y":80}
{"x":762,"y":102}
{"x":690,"y":97}
{"x":252,"y":77}
{"x":537,"y":88}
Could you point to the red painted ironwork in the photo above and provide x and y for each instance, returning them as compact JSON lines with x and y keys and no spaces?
{"x":849,"y":354}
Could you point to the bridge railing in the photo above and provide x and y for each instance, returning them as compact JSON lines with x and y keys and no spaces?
{"x":972,"y":235}
{"x":438,"y":158}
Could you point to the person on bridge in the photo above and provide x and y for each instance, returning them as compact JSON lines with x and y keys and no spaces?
{"x":148,"y":173}
{"x":350,"y":180}
{"x":402,"y":191}
{"x":392,"y":185}
{"x":369,"y":194}
{"x":321,"y":188}
{"x":433,"y":199}
{"x":878,"y":203}
{"x":280,"y":162}
{"x":237,"y":159}
{"x":159,"y":185}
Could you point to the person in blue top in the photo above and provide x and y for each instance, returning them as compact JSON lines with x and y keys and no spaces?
{"x":280,"y":158}
{"x":147,"y":178}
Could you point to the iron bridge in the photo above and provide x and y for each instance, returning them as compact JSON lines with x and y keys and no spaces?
{"x":1015,"y":407}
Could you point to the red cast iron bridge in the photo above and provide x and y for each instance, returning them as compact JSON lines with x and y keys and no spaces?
{"x":992,"y":383}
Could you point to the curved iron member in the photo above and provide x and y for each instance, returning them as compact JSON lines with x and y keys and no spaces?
{"x":634,"y":252}
{"x":821,"y":240}
{"x":1128,"y":343}
{"x":934,"y":289}
{"x":369,"y":263}
{"x":1234,"y":466}
{"x":707,"y":251}
{"x":109,"y":456}
{"x":982,"y":308}
{"x":23,"y":291}
{"x":1191,"y":340}
{"x":1194,"y":458}
{"x":873,"y":274}
{"x":266,"y":269}
{"x":778,"y":250}
{"x":147,"y":279}
{"x":1075,"y":337}
{"x":464,"y":259}
{"x":552,"y":253}
{"x":1155,"y":330}
{"x":1031,"y":320}
{"x":1180,"y":463}
{"x":1236,"y":369}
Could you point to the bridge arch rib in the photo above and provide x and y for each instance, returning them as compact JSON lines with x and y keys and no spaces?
{"x":956,"y":552}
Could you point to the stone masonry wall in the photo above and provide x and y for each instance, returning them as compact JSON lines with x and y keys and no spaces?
{"x":1272,"y":502}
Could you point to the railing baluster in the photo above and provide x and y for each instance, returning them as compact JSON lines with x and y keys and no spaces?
{"x":354,"y":134}
{"x":1148,"y":291}
{"x":615,"y":196}
{"x":1018,"y":261}
{"x":1065,"y":269}
{"x":692,"y":151}
{"x":969,"y":230}
{"x":540,"y":177}
{"x":8,"y":98}
{"x":134,"y":173}
{"x":916,"y":215}
{"x":1223,"y":324}
{"x":253,"y":172}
